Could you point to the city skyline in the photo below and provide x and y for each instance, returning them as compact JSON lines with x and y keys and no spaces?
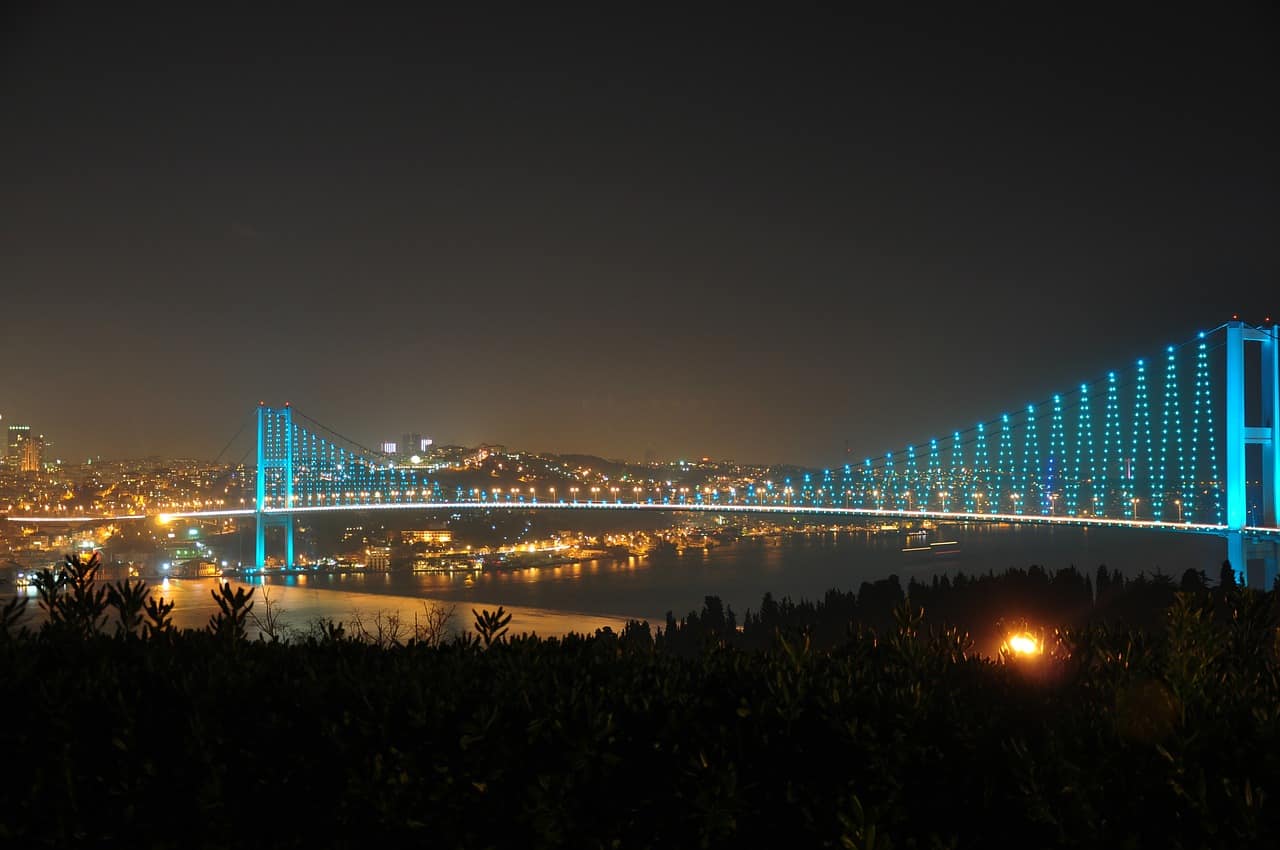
{"x":739,"y":238}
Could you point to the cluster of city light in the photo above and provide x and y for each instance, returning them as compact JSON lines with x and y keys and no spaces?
{"x":1260,"y":532}
{"x":1058,"y":470}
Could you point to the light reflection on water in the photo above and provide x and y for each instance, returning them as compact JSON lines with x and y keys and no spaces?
{"x":304,"y":599}
{"x":797,"y":566}
{"x":587,"y":595}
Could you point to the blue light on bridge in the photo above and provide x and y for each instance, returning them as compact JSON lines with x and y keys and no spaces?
{"x":1067,"y":468}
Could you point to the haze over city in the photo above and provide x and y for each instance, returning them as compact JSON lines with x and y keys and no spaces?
{"x":684,"y":235}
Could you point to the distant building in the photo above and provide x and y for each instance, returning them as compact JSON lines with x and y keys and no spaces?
{"x":484,"y":452}
{"x":378,"y":557}
{"x":426,"y":535}
{"x":18,"y":434}
{"x":411,"y":445}
{"x":24,"y":451}
{"x":32,"y":459}
{"x":408,"y":446}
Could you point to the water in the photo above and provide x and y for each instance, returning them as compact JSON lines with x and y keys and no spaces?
{"x":587,"y":595}
{"x":592,"y":592}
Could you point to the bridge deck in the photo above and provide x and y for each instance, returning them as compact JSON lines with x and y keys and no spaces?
{"x":693,"y":507}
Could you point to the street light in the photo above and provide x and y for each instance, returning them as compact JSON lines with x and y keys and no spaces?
{"x":1178,"y":502}
{"x":1023,"y":644}
{"x":574,"y":491}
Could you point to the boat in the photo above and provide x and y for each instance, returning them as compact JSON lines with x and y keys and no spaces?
{"x":945,"y":548}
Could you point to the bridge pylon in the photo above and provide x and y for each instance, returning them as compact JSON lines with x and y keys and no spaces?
{"x":1110,"y":453}
{"x":275,"y":460}
{"x":1240,"y":433}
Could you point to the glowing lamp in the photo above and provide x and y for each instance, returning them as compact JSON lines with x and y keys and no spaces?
{"x":1023,"y":645}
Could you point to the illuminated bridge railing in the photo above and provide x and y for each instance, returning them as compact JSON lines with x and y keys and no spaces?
{"x":1162,"y":443}
{"x":302,"y":465}
{"x":1144,"y":443}
{"x":1187,"y":440}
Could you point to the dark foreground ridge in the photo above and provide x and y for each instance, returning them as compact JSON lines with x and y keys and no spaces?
{"x":120,"y":731}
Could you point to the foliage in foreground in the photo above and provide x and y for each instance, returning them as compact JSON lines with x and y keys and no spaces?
{"x":903,"y":738}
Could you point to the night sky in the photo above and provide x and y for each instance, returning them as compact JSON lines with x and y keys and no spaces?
{"x":746,"y":237}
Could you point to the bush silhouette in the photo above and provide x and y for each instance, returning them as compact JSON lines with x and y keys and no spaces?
{"x":858,"y":720}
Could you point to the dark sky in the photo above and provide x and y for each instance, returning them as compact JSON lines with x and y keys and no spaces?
{"x":752,"y":237}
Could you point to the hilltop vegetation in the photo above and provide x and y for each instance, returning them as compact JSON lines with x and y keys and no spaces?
{"x":121,"y":729}
{"x":983,"y":606}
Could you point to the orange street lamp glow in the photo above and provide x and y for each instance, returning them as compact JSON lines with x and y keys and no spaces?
{"x":1023,"y":644}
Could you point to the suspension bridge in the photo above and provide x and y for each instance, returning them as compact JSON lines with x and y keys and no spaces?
{"x":1185,"y":441}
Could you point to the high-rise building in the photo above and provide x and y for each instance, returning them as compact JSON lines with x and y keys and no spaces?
{"x":414,"y":444}
{"x":32,"y":458}
{"x":14,"y":446}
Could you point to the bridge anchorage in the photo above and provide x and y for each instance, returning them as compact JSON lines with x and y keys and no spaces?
{"x":1187,"y":442}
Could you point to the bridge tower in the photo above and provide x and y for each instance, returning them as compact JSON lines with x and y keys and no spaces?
{"x":274,"y":478}
{"x":1239,"y":435}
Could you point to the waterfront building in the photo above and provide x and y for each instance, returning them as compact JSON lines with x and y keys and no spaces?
{"x":426,"y":535}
